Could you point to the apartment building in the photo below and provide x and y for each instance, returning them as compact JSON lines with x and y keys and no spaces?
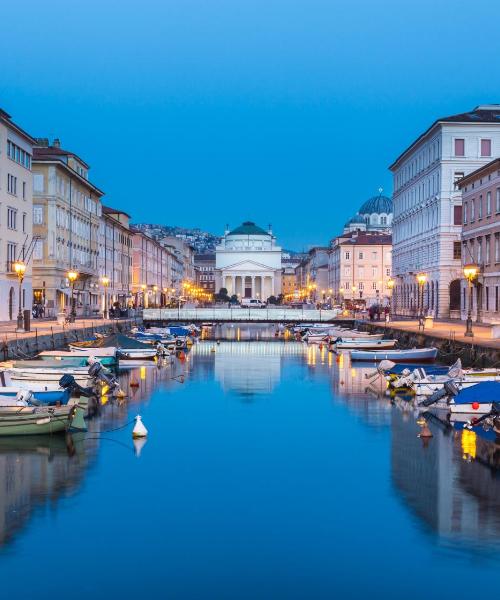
{"x":16,"y":208}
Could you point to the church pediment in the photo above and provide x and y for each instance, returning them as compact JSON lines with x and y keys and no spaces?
{"x":247,"y":265}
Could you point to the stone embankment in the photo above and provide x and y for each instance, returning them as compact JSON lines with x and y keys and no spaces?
{"x":472,"y":352}
{"x":28,"y":345}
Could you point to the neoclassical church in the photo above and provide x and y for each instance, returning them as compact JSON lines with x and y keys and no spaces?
{"x":248,"y":262}
{"x":374,"y":215}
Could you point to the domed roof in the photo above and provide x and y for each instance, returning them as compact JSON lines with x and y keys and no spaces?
{"x":355,"y":220}
{"x":248,"y":228}
{"x":377,"y":204}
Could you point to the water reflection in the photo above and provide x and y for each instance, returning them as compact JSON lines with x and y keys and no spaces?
{"x":443,"y":482}
{"x":38,"y":470}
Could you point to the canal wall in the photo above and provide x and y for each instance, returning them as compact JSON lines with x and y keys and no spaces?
{"x":472,"y":354}
{"x":28,"y":346}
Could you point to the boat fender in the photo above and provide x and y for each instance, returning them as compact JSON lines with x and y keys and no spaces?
{"x":139,"y":428}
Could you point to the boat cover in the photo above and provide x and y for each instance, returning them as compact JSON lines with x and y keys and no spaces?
{"x":484,"y":392}
{"x":115,"y":340}
{"x":397,"y":369}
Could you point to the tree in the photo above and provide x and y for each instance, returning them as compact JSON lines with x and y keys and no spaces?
{"x":222,"y":296}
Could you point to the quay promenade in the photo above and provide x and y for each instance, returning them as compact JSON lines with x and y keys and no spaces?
{"x":448,"y":336}
{"x":47,"y":334}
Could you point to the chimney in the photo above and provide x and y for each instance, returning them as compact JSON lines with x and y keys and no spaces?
{"x":42,"y":142}
{"x":56,"y":143}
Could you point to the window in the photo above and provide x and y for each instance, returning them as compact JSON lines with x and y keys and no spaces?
{"x":388,"y":272}
{"x":374,"y":285}
{"x":374,"y":271}
{"x":457,"y":176}
{"x":465,"y":212}
{"x":38,"y":250}
{"x":457,"y":215}
{"x":480,"y":207}
{"x":485,"y":147}
{"x":347,"y":255}
{"x":11,"y":218}
{"x":18,"y":155}
{"x":360,"y":256}
{"x":479,"y":250}
{"x":38,"y":182}
{"x":361,"y":285}
{"x":487,"y":295}
{"x":459,"y":147}
{"x":374,"y":255}
{"x":496,"y":298}
{"x":38,"y":214}
{"x":11,"y":255}
{"x":498,"y":200}
{"x":472,"y":210}
{"x":24,"y":222}
{"x":11,"y":184}
{"x":487,"y":241}
{"x":24,"y":190}
{"x":383,"y":220}
{"x":497,"y":247}
{"x":457,"y":250}
{"x":488,"y":204}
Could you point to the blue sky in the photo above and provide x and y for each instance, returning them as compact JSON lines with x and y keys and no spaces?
{"x":201,"y":113}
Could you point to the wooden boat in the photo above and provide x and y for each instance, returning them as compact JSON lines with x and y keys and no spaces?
{"x":418,"y":355}
{"x":126,"y":347}
{"x":363,"y":344}
{"x":34,"y":420}
{"x":51,"y":376}
{"x":106,"y":356}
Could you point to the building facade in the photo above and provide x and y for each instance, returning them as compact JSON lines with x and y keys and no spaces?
{"x":248,"y":262}
{"x":204,"y":267}
{"x":360,"y":265}
{"x":16,"y":209}
{"x":151,"y":272}
{"x":67,"y":213}
{"x":428,"y":207}
{"x":481,"y":241}
{"x":184,"y":254}
{"x":311,"y":275}
{"x":115,"y":257}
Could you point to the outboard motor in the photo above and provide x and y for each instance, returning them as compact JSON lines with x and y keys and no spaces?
{"x":67,"y":382}
{"x":448,"y":389}
{"x":25,"y":398}
{"x":97,"y":372}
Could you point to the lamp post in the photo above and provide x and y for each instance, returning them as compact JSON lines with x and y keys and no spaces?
{"x":470,"y":272}
{"x":390,"y":286}
{"x":421,"y":279}
{"x":155,"y":290}
{"x":20,"y":269}
{"x":72,"y":276}
{"x":105,"y":283}
{"x":143,"y":288}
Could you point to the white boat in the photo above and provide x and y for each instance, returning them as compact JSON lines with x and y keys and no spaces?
{"x":364,"y":344}
{"x":137,"y":353}
{"x":468,"y":403}
{"x":416,"y":355}
{"x":16,"y":375}
{"x":105,"y":356}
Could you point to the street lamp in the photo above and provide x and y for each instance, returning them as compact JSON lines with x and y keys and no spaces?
{"x":421,"y":279}
{"x":470,"y":272}
{"x":20,"y":268}
{"x":105,"y":283}
{"x":72,"y":276}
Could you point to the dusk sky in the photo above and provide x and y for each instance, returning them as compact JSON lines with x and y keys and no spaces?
{"x":201,"y":113}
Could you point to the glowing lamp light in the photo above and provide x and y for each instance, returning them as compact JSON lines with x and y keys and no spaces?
{"x":72,"y":276}
{"x":421,"y":278}
{"x":105,"y":281}
{"x":390,"y":283}
{"x":470,"y":271}
{"x":19,"y":268}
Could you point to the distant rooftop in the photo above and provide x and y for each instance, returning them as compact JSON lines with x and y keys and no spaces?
{"x":365,"y":238}
{"x":46,"y":151}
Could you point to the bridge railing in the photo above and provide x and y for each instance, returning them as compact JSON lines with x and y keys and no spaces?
{"x":240,"y":314}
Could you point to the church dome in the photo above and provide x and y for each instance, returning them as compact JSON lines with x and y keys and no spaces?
{"x":356,"y":220}
{"x":248,"y":228}
{"x":377,"y":204}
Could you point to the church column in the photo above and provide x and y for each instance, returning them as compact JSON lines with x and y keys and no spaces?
{"x":233,"y":285}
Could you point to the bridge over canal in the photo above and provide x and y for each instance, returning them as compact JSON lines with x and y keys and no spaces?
{"x":161,"y":316}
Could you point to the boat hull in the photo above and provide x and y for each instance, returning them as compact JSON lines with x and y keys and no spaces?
{"x":408,"y":356}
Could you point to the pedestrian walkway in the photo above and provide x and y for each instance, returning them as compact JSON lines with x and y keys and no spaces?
{"x":446,"y":329}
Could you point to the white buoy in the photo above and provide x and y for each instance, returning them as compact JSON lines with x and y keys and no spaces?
{"x":139,"y":430}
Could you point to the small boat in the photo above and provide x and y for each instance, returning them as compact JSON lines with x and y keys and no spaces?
{"x":419,"y":355}
{"x":106,"y":356}
{"x":475,"y":400}
{"x":15,"y":375}
{"x":126,"y":347}
{"x":363,"y":344}
{"x":18,"y":417}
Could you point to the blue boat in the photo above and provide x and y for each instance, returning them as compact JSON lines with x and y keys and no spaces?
{"x":45,"y":397}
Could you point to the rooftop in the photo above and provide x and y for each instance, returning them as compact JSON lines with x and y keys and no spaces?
{"x":484,"y":113}
{"x":492,"y":165}
{"x":376,"y":204}
{"x":6,"y":119}
{"x":365,"y":238}
{"x":248,"y":228}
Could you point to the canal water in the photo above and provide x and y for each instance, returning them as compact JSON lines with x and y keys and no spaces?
{"x":271,"y":470}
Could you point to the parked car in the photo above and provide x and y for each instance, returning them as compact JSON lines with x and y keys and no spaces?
{"x":252,"y":303}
